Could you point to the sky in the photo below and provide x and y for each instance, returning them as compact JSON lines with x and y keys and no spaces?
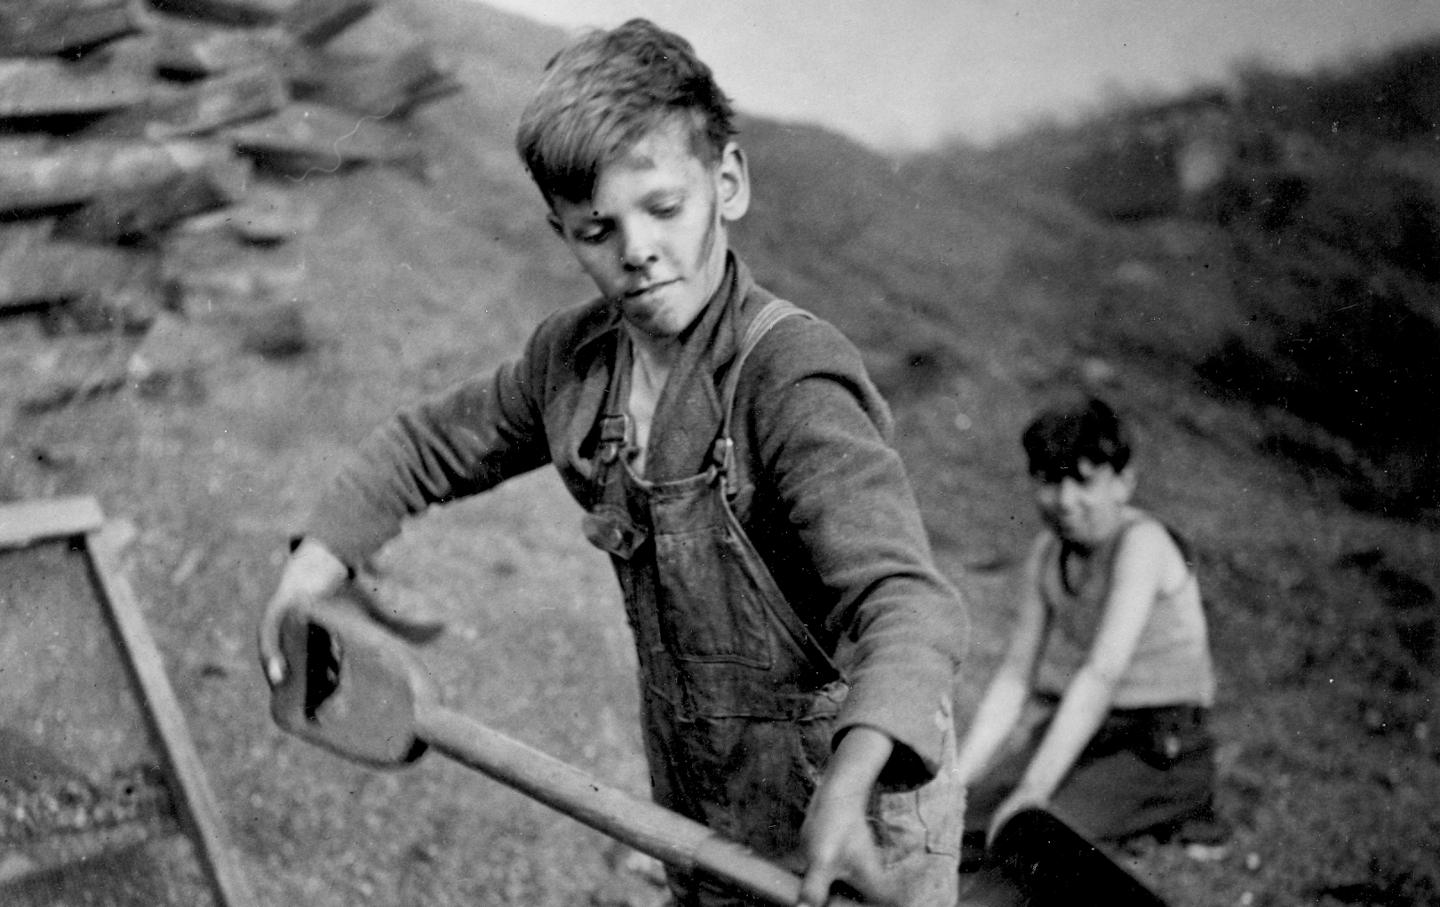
{"x":907,"y":74}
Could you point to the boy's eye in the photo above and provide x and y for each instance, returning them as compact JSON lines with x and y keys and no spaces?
{"x":667,"y":210}
{"x":592,"y":235}
{"x":1058,"y":476}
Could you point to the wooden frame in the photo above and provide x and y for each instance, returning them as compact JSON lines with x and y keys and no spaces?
{"x":27,"y":523}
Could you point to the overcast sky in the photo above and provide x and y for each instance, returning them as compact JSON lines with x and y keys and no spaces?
{"x":906,"y":73}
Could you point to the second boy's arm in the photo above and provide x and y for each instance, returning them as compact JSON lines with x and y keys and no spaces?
{"x":1004,"y":700}
{"x":1139,"y":567}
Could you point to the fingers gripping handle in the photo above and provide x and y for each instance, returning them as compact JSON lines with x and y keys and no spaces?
{"x":355,"y":691}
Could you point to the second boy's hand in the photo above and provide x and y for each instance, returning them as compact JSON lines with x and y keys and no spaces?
{"x":836,"y":836}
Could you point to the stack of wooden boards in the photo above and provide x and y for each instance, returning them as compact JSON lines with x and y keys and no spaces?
{"x":145,"y":144}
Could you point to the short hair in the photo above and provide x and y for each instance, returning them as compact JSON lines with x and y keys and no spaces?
{"x":1064,"y":434}
{"x":606,"y":91}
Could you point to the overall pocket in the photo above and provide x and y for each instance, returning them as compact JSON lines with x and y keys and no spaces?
{"x":709,"y":607}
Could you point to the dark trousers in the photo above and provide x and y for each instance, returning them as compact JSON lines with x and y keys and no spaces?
{"x":1146,"y":771}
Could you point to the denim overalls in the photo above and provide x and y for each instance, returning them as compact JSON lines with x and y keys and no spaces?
{"x":738,"y":699}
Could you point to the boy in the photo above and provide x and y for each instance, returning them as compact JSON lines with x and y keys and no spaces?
{"x":796,"y":641}
{"x":1111,"y":641}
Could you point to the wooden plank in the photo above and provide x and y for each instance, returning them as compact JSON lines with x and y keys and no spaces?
{"x":35,"y":88}
{"x":129,"y":305}
{"x":142,"y":211}
{"x":187,"y":48}
{"x":266,"y":216}
{"x":133,"y":53}
{"x":47,"y":176}
{"x":383,"y":87}
{"x":322,"y":138}
{"x":47,"y":27}
{"x":219,"y":274}
{"x":315,"y":22}
{"x":197,"y":108}
{"x":228,"y":12}
{"x":200,"y":812}
{"x":16,"y":241}
{"x":40,"y":271}
{"x":75,"y":379}
{"x":24,"y":523}
{"x":24,"y":234}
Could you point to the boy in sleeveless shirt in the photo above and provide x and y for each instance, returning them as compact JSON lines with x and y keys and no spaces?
{"x":1110,"y":642}
{"x":796,"y":642}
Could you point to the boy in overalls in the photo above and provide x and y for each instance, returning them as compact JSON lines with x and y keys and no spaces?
{"x":796,"y":642}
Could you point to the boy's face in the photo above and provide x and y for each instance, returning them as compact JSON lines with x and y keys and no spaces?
{"x":1086,"y":508}
{"x":653,"y":236}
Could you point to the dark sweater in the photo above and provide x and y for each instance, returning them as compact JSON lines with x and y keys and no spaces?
{"x":823,"y":495}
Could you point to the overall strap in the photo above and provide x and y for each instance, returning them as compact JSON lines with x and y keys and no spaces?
{"x":615,"y":428}
{"x":723,"y":454}
{"x":723,"y":461}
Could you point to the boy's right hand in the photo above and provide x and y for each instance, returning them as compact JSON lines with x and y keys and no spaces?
{"x":312,"y":573}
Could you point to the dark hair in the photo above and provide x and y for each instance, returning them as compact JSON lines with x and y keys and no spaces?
{"x":607,"y":90}
{"x":1062,"y":435}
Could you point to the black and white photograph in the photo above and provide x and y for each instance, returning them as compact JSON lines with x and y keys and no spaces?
{"x":710,"y":453}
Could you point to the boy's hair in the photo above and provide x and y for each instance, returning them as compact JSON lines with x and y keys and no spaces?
{"x":1064,"y":434}
{"x":603,"y":93}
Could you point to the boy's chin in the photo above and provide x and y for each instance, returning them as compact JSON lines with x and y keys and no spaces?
{"x":1071,"y":535}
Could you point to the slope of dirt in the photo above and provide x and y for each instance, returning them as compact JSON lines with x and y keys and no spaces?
{"x":970,"y":296}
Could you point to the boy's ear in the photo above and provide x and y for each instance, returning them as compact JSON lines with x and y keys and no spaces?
{"x":732,"y":179}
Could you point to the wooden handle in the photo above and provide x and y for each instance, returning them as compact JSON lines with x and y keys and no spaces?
{"x":643,"y":825}
{"x":359,"y":692}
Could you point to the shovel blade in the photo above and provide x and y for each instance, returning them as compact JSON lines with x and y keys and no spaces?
{"x":350,"y":688}
{"x":1043,"y":862}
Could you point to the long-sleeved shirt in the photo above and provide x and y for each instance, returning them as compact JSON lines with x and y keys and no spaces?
{"x":823,"y":494}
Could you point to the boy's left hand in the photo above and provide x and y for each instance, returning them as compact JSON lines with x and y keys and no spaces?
{"x":836,"y":837}
{"x":838,"y":846}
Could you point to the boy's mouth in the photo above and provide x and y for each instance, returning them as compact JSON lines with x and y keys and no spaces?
{"x":1068,"y":525}
{"x":648,"y":289}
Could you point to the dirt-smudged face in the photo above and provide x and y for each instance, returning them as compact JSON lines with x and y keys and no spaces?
{"x":1086,"y":508}
{"x":653,"y":236}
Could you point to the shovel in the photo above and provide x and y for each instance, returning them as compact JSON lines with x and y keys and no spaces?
{"x":354,"y":690}
{"x":1038,"y":860}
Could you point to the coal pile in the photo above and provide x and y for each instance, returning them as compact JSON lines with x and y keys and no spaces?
{"x":148,"y":157}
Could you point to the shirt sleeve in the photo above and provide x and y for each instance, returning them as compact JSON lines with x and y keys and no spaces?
{"x":842,"y":494}
{"x":463,"y":441}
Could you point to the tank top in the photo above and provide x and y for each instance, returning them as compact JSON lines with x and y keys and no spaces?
{"x":1171,"y":664}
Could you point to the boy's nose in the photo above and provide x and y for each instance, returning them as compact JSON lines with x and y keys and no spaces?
{"x":1069,"y":492}
{"x":637,"y":251}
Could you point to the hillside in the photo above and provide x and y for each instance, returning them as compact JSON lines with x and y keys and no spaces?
{"x":977,"y":284}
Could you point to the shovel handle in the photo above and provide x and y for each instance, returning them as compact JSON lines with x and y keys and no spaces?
{"x":641,"y":824}
{"x":356,"y":690}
